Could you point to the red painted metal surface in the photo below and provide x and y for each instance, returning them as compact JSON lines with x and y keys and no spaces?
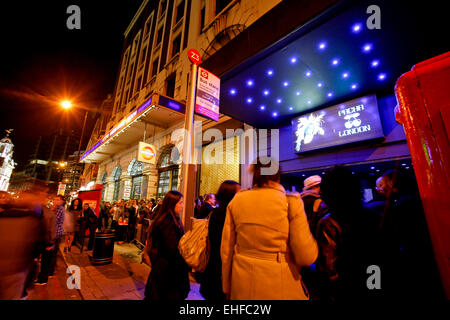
{"x":423,"y":96}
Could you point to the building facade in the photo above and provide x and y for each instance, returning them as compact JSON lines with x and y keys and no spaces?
{"x":155,"y":67}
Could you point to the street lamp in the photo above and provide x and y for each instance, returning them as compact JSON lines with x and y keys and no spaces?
{"x":67,"y":105}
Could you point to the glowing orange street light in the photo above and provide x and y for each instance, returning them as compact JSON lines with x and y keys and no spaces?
{"x":66,"y":104}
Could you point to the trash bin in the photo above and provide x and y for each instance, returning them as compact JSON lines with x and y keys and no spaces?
{"x":103,"y":247}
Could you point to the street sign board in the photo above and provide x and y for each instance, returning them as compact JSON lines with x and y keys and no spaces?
{"x":147,"y":153}
{"x":207,"y":94}
{"x":194,"y":56}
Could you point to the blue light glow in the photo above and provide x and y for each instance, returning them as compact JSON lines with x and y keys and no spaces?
{"x":320,"y":84}
{"x":270,"y":72}
{"x":308,"y":73}
{"x":322,"y":45}
{"x":293,"y":60}
{"x":233,"y":92}
{"x":266,"y":92}
{"x":357,"y":27}
{"x":275,"y":114}
{"x":374,"y":63}
{"x":249,"y":100}
{"x":309,"y":102}
{"x":291,"y":108}
{"x":279,"y":100}
{"x":250,"y":83}
{"x":382,"y":76}
{"x":262,"y":107}
{"x":367,"y":47}
{"x":330,"y":94}
{"x":354,"y":86}
{"x":285,"y":84}
{"x":335,"y":62}
{"x":298,"y":93}
{"x":345,"y":75}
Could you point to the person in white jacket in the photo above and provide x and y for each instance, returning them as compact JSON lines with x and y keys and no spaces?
{"x":265,"y":241}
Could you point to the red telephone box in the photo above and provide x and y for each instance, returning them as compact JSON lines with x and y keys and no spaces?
{"x":423,"y":95}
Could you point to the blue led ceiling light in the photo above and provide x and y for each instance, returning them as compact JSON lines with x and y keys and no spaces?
{"x":367,"y":47}
{"x":291,"y":108}
{"x":270,"y":72}
{"x":356,"y":28}
{"x":266,"y":92}
{"x":354,"y":86}
{"x":382,"y":76}
{"x":322,"y":45}
{"x":249,"y":100}
{"x":293,"y":60}
{"x":309,"y":102}
{"x":375,"y":63}
{"x":320,"y":84}
{"x":250,"y":83}
{"x":285,"y":83}
{"x":233,"y":92}
{"x":275,"y":114}
{"x":308,"y":73}
{"x":330,"y":94}
{"x":297,"y":93}
{"x":335,"y":62}
{"x":279,"y":100}
{"x":345,"y":75}
{"x":262,"y":107}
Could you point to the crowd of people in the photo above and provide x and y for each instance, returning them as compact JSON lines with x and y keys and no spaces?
{"x":264,"y":242}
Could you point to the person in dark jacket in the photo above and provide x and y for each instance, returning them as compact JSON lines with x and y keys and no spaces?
{"x":132,"y":219}
{"x":315,"y":207}
{"x":346,"y":237}
{"x":89,"y":221}
{"x":208,"y":205}
{"x":211,"y":283}
{"x":169,"y":276}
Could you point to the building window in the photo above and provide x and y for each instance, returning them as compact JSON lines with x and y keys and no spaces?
{"x":168,"y":174}
{"x":144,"y":54}
{"x":202,"y":18}
{"x":162,"y":8}
{"x":170,"y":86}
{"x":155,"y":67}
{"x":147,"y":27}
{"x":159,"y":36}
{"x":180,"y":12}
{"x":221,"y":4}
{"x":138,"y":84}
{"x":176,"y":45}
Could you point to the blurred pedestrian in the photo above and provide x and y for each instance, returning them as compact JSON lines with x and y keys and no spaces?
{"x":88,"y":223}
{"x":71,"y":222}
{"x":315,"y":207}
{"x":265,"y":240}
{"x":22,"y":237}
{"x":211,"y":283}
{"x":169,"y":275}
{"x":156,"y":209}
{"x":55,"y":231}
{"x":346,"y":239}
{"x":105,"y":216}
{"x":132,"y":219}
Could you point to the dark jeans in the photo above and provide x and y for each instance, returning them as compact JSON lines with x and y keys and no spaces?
{"x":48,"y":262}
{"x":131,"y":232}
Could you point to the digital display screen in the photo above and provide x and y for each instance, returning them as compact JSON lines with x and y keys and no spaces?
{"x":352,"y":121}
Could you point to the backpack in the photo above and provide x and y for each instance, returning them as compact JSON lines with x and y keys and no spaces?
{"x":194,"y":245}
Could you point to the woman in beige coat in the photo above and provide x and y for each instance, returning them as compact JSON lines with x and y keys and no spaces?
{"x":264,"y":244}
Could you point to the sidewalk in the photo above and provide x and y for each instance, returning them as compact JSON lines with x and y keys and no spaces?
{"x":124,"y":279}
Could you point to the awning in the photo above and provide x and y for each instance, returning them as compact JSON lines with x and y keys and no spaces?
{"x":157,"y":111}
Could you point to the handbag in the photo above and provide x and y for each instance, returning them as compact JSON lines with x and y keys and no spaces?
{"x":194,"y":245}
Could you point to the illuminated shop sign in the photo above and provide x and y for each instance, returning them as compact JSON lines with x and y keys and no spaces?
{"x":352,"y":121}
{"x":122,"y":124}
{"x":171,"y":104}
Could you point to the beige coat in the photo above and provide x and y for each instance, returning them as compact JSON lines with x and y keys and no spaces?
{"x":262,"y":251}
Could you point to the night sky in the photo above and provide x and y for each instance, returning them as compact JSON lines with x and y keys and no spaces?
{"x":43,"y":62}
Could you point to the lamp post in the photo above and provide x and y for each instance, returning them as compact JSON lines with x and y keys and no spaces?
{"x":67,"y":105}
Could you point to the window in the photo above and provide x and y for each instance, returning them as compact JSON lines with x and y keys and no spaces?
{"x":138,"y":84}
{"x":170,"y":85}
{"x":202,"y":19}
{"x":176,"y":45}
{"x":147,"y":27}
{"x":155,"y":67}
{"x":159,"y":36}
{"x":144,"y":53}
{"x":221,"y":4}
{"x":168,"y":174}
{"x":180,"y":12}
{"x":162,"y":8}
